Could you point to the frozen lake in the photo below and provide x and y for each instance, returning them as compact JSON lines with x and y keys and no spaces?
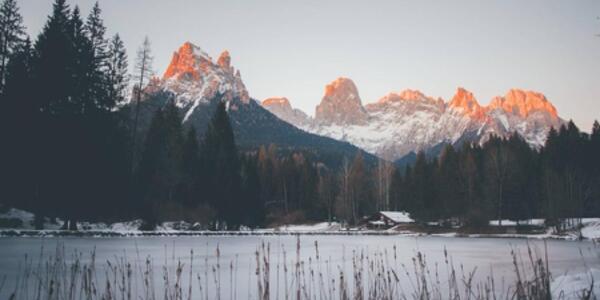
{"x":234,"y":271}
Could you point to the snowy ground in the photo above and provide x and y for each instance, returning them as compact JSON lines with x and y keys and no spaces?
{"x":570,"y":286}
{"x":590,"y":230}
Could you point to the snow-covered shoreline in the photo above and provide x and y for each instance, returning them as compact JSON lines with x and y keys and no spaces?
{"x":590,"y":230}
{"x":269,"y":232}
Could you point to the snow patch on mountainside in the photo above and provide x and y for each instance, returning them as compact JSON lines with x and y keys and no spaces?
{"x":409,"y":121}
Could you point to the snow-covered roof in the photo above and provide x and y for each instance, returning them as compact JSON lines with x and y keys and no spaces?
{"x":397,"y":216}
{"x":377,"y":222}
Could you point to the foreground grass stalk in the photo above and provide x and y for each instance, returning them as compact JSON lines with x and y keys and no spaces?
{"x":369,"y":275}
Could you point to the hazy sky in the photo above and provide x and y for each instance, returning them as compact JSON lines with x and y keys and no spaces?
{"x":294,"y":48}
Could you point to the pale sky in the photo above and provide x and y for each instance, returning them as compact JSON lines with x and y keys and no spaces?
{"x":294,"y":48}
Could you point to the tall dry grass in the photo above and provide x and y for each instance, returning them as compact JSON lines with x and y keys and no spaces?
{"x":361,"y":275}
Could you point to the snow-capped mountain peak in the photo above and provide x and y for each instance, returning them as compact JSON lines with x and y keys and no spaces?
{"x":465,"y":102}
{"x":409,"y":121}
{"x":187,"y":63}
{"x":193,"y":77}
{"x":405,"y":95}
{"x":281,"y":107}
{"x":523,"y":103}
{"x":341,"y":104}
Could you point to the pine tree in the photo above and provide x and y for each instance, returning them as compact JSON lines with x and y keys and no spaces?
{"x":118,"y":72}
{"x":253,"y":207}
{"x":52,"y":77}
{"x":419,"y":186}
{"x":520,"y":184}
{"x":95,"y":30}
{"x":142,"y":74}
{"x":77,"y":125}
{"x":18,"y":111}
{"x":190,"y":164}
{"x":100,"y":85}
{"x":595,"y":148}
{"x":159,"y":174}
{"x":497,"y":163}
{"x":594,"y":164}
{"x":470,"y":180}
{"x":83,"y":70}
{"x":53,"y":52}
{"x":222,"y":170}
{"x":450,"y":199}
{"x":12,"y":35}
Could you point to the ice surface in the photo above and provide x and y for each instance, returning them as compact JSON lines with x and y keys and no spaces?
{"x":335,"y":252}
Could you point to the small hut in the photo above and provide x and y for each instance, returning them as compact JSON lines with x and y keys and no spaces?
{"x":388,"y":219}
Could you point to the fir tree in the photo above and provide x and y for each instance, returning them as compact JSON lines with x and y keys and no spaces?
{"x":17,"y":155}
{"x":118,"y":72}
{"x":191,"y":193}
{"x":52,"y":77}
{"x":222,"y":170}
{"x":99,"y":64}
{"x":159,"y":173}
{"x":253,"y":207}
{"x":82,"y":67}
{"x":497,"y":163}
{"x":52,"y":68}
{"x":95,"y":30}
{"x":12,"y":34}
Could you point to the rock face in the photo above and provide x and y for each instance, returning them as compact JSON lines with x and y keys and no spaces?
{"x":281,"y":107}
{"x":194,"y":78}
{"x":523,"y":103}
{"x":465,"y":102}
{"x":341,"y":104}
{"x":392,"y":127}
{"x":197,"y":84}
{"x":224,"y":60}
{"x":409,"y":121}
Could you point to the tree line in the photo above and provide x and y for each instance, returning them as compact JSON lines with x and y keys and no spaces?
{"x":73,"y":149}
{"x":64,"y":144}
{"x":505,"y":179}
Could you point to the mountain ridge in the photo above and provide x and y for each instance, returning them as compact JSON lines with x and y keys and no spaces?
{"x":196,"y":84}
{"x":409,"y":121}
{"x":393,"y":126}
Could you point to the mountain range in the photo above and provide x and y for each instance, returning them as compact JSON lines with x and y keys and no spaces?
{"x":402,"y":123}
{"x":395,"y":126}
{"x":196,"y":83}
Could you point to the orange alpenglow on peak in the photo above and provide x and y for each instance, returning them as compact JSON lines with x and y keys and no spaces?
{"x":341,"y":84}
{"x":281,"y":101}
{"x":465,"y":100}
{"x":341,"y":104}
{"x":224,"y":59}
{"x":409,"y":94}
{"x":183,"y":62}
{"x":523,"y":103}
{"x":405,"y":95}
{"x":187,"y":61}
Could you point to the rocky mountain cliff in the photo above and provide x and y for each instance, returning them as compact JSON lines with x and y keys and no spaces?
{"x":196,"y":83}
{"x":409,"y":121}
{"x":341,"y":104}
{"x":392,"y":127}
